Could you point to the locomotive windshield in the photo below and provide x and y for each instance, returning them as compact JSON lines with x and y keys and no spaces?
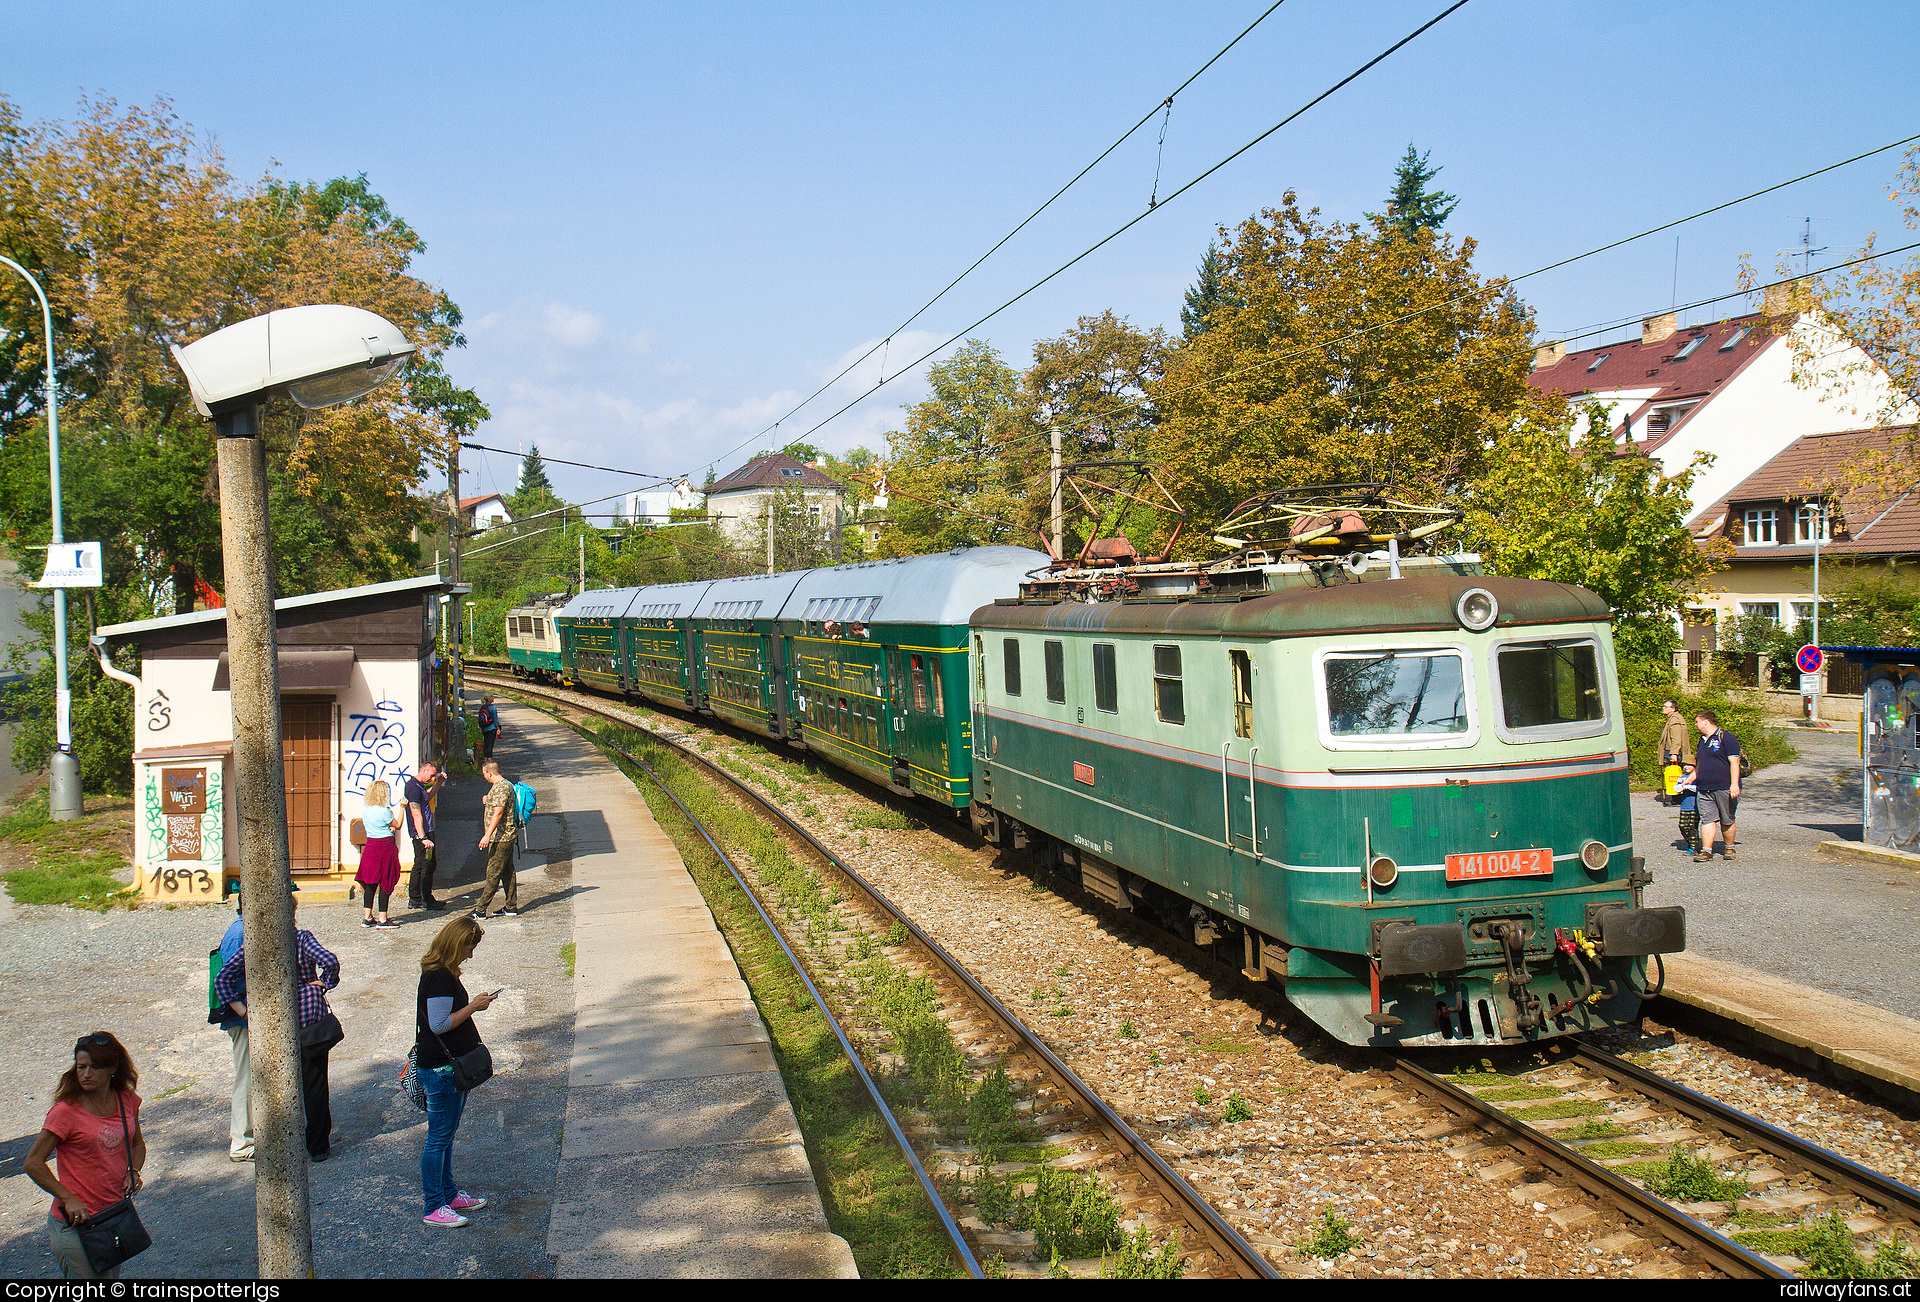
{"x":1544,"y":684}
{"x":1396,"y":693}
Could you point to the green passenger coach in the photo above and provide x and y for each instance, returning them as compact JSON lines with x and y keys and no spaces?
{"x":1420,"y":781}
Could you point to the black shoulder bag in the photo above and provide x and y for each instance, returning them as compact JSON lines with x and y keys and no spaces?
{"x":114,"y":1233}
{"x":471,"y":1069}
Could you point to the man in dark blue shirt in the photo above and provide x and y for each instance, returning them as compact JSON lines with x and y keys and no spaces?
{"x":1716,"y":779}
{"x":418,"y":794}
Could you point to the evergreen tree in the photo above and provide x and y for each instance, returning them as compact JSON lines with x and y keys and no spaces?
{"x":1208,"y":293}
{"x":1412,"y":205}
{"x":533,"y":473}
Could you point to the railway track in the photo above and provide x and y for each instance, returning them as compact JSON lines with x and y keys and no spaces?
{"x":1219,"y":1248}
{"x":1783,"y":1173}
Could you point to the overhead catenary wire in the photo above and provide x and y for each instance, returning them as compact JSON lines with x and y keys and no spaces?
{"x":1128,"y":225}
{"x":973,"y":266}
{"x":584,"y":465}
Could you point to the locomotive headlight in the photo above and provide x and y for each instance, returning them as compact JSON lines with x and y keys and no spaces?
{"x":1383,"y":872}
{"x":1595,"y":856}
{"x":1477,"y":609}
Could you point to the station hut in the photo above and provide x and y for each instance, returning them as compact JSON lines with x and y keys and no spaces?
{"x":363,"y":697}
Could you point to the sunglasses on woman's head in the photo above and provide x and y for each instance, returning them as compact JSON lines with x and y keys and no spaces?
{"x":99,"y":1038}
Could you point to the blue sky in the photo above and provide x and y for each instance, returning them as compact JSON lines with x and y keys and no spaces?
{"x":667,"y":223}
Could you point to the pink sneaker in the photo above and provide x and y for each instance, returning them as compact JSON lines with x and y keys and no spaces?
{"x":466,"y":1202}
{"x":446,"y":1217}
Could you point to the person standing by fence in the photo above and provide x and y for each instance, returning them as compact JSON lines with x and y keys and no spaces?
{"x":1716,"y":775}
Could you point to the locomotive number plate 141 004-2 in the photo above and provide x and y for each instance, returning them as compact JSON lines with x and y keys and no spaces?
{"x":1499,"y":863}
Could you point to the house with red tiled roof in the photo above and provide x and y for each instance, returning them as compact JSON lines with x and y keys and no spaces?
{"x":485,"y":511}
{"x":1852,"y":492}
{"x":738,"y":502}
{"x":1725,"y":388}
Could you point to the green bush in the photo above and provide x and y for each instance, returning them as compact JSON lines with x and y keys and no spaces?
{"x":1333,"y":1237}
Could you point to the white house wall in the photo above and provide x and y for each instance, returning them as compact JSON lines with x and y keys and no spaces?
{"x":1761,"y":411}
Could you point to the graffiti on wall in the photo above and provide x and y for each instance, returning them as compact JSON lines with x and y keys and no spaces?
{"x":375,"y":749}
{"x":183,"y":819}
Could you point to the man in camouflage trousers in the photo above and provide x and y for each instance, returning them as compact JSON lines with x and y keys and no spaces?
{"x":500,"y":824}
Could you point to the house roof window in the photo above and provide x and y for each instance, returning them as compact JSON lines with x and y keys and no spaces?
{"x":1693,"y":346}
{"x":1734,"y":339}
{"x":1596,"y":362}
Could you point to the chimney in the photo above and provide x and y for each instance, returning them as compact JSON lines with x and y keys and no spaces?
{"x":1789,"y":298}
{"x":1656,"y":328}
{"x":1549,"y":355}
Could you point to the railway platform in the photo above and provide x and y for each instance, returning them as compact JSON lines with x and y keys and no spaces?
{"x":680,"y":1154}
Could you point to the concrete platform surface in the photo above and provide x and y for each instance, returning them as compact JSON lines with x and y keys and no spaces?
{"x":1856,"y":1040}
{"x":680,"y":1154}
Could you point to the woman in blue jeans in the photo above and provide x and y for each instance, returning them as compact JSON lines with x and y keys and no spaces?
{"x":444,"y":1030}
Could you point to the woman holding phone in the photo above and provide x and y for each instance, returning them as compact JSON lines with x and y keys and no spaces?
{"x":444,"y":1030}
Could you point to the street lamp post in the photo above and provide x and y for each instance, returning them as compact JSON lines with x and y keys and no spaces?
{"x":64,"y":802}
{"x":317,"y":356}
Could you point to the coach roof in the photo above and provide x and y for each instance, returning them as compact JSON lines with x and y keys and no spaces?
{"x":944,"y":588}
{"x":1373,"y":606}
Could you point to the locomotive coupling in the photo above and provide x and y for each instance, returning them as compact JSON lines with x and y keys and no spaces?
{"x":1625,"y":932}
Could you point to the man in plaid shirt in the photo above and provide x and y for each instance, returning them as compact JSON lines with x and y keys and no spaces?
{"x":319,"y":972}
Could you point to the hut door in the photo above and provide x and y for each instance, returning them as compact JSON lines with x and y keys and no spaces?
{"x":306,"y":757}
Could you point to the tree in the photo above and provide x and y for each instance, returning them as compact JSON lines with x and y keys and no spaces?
{"x":1582,"y":511}
{"x":1207,"y":294}
{"x":950,"y":485}
{"x":1412,"y":206}
{"x":804,"y":536}
{"x":1346,"y":356}
{"x":805,"y":453}
{"x":534,"y":486}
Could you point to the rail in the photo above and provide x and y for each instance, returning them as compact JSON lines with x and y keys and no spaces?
{"x":1233,"y":1250}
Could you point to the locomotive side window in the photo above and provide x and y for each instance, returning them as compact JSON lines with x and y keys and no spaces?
{"x":1012,"y":649}
{"x":1106,"y":683}
{"x":1396,"y":693}
{"x":1056,"y":658}
{"x":1242,"y":665}
{"x":980,"y":665}
{"x":1548,"y":684}
{"x":1169,"y":695}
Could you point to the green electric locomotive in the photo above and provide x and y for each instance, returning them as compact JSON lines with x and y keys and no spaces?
{"x":1420,"y":773}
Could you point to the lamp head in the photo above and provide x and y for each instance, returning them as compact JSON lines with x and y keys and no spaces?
{"x":319,"y":356}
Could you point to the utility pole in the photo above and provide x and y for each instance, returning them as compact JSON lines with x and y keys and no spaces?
{"x":770,"y":497}
{"x":457,"y":657}
{"x":283,"y":1220}
{"x":583,"y":557}
{"x":1058,"y":542}
{"x":1819,"y":528}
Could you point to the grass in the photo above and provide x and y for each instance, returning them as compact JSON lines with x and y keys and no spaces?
{"x":1224,"y":1047}
{"x":1513,"y":1093}
{"x":1071,"y":1213}
{"x":1596,"y":1128}
{"x":1615,"y":1148}
{"x":1828,"y":1248}
{"x":1201,"y":1096}
{"x":1558,"y":1110}
{"x":1333,"y":1238}
{"x":566,"y":958}
{"x":882,"y":820}
{"x":1126,"y":1031}
{"x":1685,"y":1177}
{"x":870,"y":1196}
{"x":67,"y":867}
{"x":1237,"y":1109}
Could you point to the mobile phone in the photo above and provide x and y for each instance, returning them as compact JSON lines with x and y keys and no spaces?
{"x":495,"y":994}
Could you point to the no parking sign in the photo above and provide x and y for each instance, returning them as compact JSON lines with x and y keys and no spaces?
{"x":1811,"y":659}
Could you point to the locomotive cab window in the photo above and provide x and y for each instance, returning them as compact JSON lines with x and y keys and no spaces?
{"x":1056,"y":658}
{"x":1011,"y":647}
{"x":1550,"y":689}
{"x":1169,"y":694}
{"x":1242,"y":666}
{"x":1106,"y":682}
{"x":1394,"y":697}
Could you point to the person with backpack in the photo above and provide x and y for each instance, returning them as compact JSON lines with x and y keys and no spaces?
{"x":500,"y":823}
{"x":489,"y":726}
{"x":1716,"y":778}
{"x":240,"y":1117}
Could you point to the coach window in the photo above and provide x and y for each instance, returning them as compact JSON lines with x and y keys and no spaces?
{"x":920,"y":698}
{"x":1242,"y":665}
{"x":939,"y":696}
{"x":1106,"y":683}
{"x":1056,"y":657}
{"x":1169,"y":699}
{"x":1012,"y":649}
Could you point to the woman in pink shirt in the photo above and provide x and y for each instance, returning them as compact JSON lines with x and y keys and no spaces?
{"x":93,"y":1124}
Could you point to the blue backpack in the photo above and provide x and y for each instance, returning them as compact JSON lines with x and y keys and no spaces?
{"x":524,"y":802}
